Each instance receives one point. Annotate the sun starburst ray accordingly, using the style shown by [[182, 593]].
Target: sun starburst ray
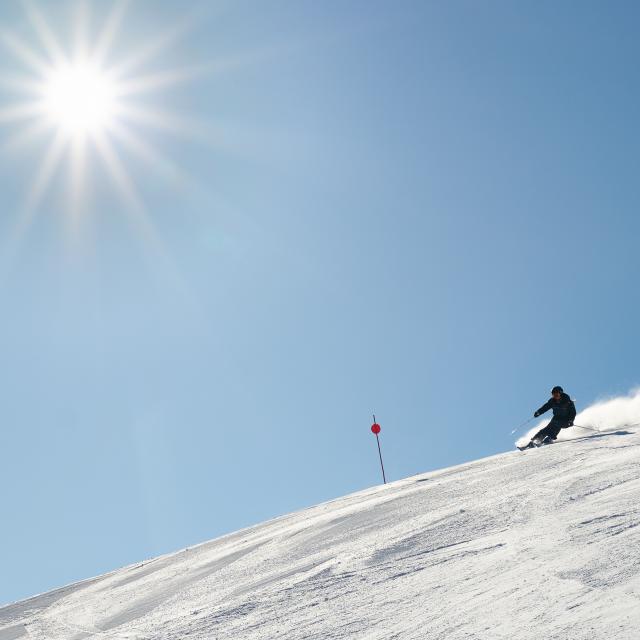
[[45, 172], [20, 111], [152, 49], [81, 22], [108, 34], [20, 84], [160, 80], [23, 52], [161, 120], [144, 226], [21, 138], [119, 176], [77, 178], [48, 166], [45, 34], [150, 155]]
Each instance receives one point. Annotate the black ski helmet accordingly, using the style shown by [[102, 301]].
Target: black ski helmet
[[558, 389]]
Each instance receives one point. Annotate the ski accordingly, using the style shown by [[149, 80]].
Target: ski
[[535, 445]]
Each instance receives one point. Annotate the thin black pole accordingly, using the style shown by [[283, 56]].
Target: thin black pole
[[384, 479], [622, 426], [522, 425], [587, 428]]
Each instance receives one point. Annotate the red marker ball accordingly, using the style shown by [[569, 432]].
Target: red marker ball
[[375, 428]]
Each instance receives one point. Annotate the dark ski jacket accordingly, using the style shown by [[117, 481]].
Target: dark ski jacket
[[563, 410]]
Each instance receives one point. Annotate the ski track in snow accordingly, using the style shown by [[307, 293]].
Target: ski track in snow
[[539, 544]]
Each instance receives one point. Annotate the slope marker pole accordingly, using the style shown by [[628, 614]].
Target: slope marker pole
[[375, 429]]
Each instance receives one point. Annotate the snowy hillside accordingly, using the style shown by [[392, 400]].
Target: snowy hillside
[[539, 544]]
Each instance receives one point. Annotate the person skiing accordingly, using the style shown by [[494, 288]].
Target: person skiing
[[564, 413]]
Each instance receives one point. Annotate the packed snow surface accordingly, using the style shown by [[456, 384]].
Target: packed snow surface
[[539, 544]]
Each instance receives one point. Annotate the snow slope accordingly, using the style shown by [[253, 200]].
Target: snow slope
[[539, 544]]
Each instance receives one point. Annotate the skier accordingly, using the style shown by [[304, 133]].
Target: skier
[[564, 413]]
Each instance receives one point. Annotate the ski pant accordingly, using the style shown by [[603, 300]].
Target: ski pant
[[552, 430]]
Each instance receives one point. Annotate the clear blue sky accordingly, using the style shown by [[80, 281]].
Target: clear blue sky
[[426, 210]]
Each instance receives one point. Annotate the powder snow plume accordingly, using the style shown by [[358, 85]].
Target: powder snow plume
[[605, 415]]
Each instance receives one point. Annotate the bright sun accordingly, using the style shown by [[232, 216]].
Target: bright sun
[[80, 98], [88, 102]]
